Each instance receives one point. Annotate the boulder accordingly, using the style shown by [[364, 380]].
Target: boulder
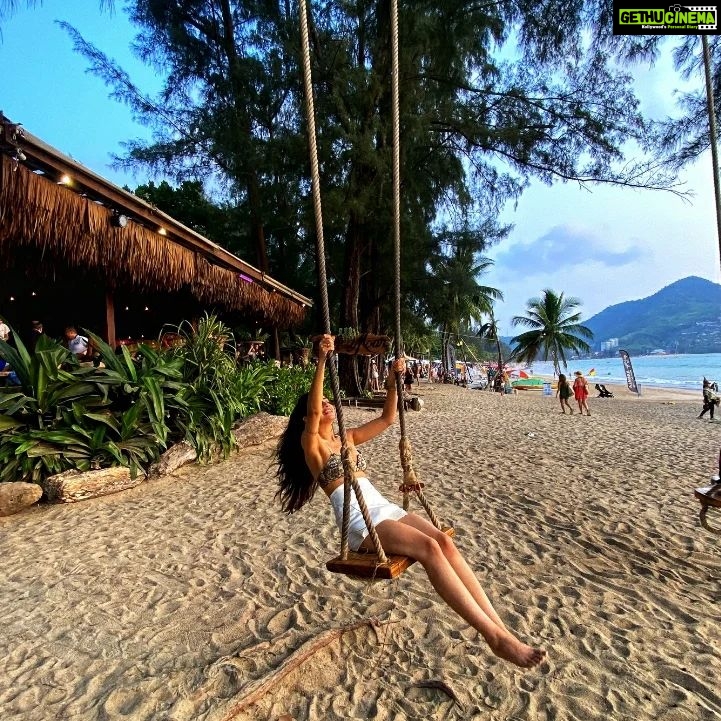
[[175, 457], [256, 430], [72, 486], [15, 496]]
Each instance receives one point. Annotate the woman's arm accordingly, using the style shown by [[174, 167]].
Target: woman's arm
[[315, 394], [378, 425]]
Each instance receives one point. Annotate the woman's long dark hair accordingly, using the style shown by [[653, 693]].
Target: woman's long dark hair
[[296, 485]]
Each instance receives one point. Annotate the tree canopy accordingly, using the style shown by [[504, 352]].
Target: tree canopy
[[555, 330], [491, 96]]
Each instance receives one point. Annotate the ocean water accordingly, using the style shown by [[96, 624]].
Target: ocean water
[[656, 371]]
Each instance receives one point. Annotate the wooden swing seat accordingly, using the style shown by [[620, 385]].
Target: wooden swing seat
[[710, 497], [364, 564]]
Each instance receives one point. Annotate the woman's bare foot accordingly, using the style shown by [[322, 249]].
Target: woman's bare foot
[[511, 649]]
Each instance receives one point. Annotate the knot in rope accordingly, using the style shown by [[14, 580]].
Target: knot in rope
[[411, 487]]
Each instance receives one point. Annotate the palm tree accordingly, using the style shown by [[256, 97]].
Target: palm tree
[[460, 299], [489, 331], [555, 329]]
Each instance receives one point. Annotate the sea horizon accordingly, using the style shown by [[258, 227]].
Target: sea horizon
[[677, 370]]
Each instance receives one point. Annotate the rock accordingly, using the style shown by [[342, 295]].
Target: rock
[[15, 496], [175, 457], [73, 486], [257, 429]]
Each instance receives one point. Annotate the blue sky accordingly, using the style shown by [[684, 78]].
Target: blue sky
[[603, 245]]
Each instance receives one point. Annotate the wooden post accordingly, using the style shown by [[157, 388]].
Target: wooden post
[[276, 343], [110, 318]]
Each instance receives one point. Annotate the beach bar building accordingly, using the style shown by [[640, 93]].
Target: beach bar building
[[76, 249]]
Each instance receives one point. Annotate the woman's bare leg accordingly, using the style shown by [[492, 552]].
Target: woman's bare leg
[[458, 563], [406, 540]]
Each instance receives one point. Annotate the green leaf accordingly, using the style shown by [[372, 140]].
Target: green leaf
[[156, 397], [7, 422], [106, 418], [129, 364]]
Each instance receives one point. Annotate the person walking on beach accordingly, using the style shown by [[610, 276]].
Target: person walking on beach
[[580, 392], [710, 399], [564, 392], [408, 380], [309, 456]]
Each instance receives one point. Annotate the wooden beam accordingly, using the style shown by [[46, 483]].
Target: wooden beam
[[110, 318]]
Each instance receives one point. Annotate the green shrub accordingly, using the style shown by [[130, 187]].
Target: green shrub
[[287, 387], [215, 391], [61, 416]]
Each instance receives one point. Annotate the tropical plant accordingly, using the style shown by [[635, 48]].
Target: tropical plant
[[215, 391], [59, 417], [555, 329], [289, 384]]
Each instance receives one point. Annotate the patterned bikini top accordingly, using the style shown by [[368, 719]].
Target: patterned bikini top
[[333, 468]]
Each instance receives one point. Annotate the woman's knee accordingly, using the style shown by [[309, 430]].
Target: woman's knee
[[429, 551], [445, 543]]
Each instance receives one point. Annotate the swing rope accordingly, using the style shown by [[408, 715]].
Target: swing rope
[[349, 478], [410, 482]]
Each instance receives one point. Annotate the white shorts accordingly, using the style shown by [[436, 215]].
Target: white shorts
[[379, 509]]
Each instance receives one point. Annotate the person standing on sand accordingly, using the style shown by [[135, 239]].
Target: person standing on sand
[[710, 399], [309, 456], [580, 392], [564, 392], [375, 382]]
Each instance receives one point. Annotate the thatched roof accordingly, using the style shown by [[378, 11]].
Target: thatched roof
[[72, 225]]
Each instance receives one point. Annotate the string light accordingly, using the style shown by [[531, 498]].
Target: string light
[[162, 231], [65, 180]]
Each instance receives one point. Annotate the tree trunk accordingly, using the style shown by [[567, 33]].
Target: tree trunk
[[347, 367]]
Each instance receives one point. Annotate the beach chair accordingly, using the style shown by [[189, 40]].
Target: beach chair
[[710, 497], [603, 392]]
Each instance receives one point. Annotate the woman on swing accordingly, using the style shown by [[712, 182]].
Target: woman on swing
[[308, 456]]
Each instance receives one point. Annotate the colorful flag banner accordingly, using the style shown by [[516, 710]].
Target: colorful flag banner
[[630, 377]]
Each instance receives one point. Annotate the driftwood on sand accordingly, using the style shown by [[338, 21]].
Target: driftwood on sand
[[71, 486], [259, 688]]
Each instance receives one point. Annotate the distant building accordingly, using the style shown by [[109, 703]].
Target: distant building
[[609, 344]]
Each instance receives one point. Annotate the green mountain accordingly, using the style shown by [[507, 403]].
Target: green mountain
[[684, 317]]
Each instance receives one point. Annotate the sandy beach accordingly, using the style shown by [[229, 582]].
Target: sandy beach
[[174, 599]]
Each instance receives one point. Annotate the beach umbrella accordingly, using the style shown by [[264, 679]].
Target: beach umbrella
[[523, 374]]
